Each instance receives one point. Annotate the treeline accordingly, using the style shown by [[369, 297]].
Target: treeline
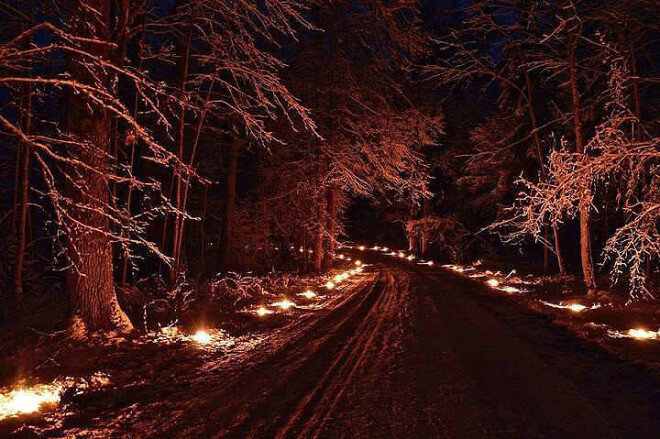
[[569, 152], [182, 138]]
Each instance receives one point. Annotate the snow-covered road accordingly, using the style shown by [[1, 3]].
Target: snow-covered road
[[412, 352]]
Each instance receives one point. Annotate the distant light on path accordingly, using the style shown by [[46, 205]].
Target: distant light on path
[[309, 294], [493, 283], [284, 304], [261, 311]]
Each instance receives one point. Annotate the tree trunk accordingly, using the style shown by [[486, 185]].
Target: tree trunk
[[584, 206], [23, 199], [424, 237], [320, 231], [331, 225], [537, 144], [178, 242], [227, 233], [182, 71], [89, 247], [136, 103]]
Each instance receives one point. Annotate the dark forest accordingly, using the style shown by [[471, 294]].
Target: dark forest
[[329, 218]]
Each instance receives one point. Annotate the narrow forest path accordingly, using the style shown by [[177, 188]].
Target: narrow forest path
[[413, 352]]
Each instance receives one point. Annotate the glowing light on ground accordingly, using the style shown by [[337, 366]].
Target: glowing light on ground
[[456, 268], [338, 278], [375, 247], [170, 331], [261, 311], [636, 333], [202, 337], [411, 258], [358, 262], [361, 248], [309, 294], [401, 255], [642, 334], [493, 283], [284, 304], [509, 289], [574, 307], [359, 269], [341, 256], [329, 285], [29, 400], [385, 249]]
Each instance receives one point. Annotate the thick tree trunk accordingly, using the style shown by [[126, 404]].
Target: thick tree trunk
[[537, 144], [89, 248], [586, 256], [227, 233]]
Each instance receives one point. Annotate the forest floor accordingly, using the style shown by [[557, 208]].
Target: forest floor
[[400, 350]]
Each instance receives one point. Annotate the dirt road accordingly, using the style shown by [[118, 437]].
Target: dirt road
[[413, 353]]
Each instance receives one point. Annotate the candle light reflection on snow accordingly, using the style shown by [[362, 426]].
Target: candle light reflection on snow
[[26, 400]]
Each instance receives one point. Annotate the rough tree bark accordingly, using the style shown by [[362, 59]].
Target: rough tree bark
[[227, 233], [586, 256], [89, 248]]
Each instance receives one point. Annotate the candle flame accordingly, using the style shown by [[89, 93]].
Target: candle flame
[[493, 283], [284, 303], [642, 334], [28, 400], [329, 285], [309, 294], [261, 311], [202, 337], [574, 307]]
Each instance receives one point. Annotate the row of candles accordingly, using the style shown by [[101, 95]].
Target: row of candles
[[496, 281]]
